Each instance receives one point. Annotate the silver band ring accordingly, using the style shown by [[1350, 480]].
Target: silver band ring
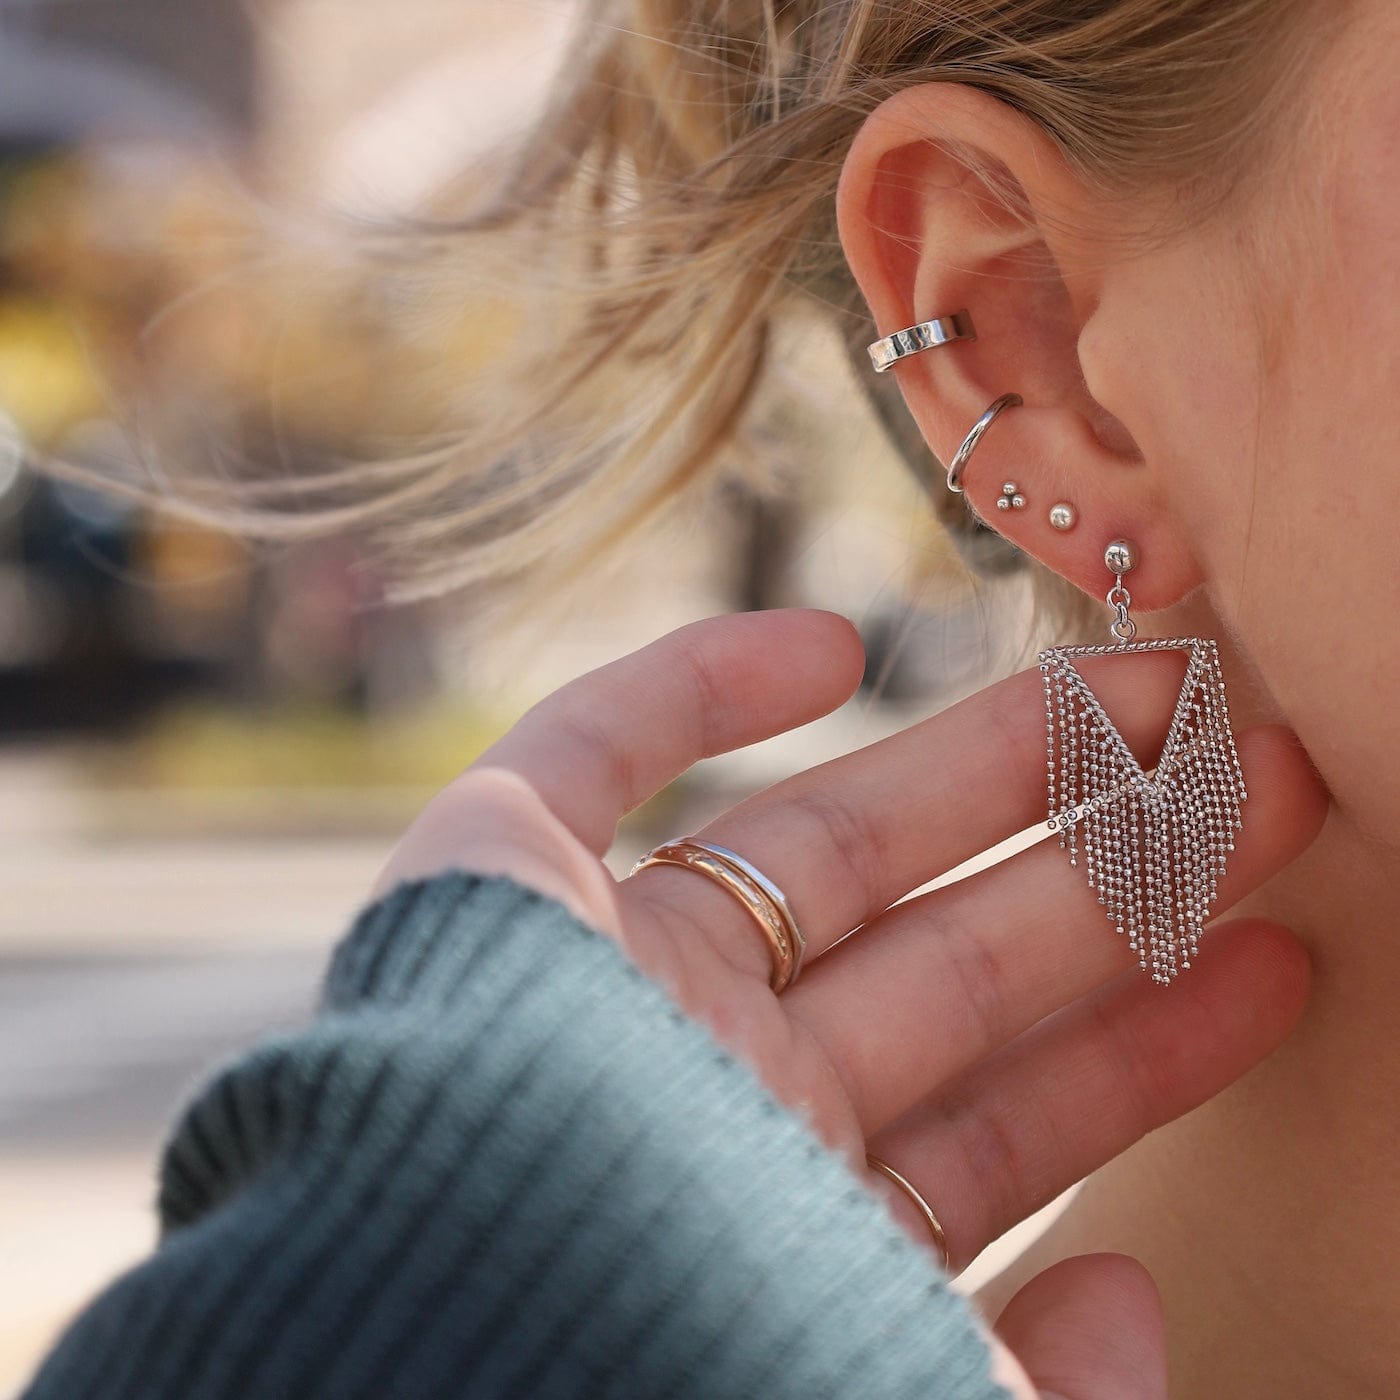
[[927, 335], [960, 459], [764, 901]]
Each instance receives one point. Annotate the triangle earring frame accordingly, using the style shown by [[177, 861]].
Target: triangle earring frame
[[1199, 651]]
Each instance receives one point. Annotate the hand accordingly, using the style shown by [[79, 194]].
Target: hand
[[994, 1040]]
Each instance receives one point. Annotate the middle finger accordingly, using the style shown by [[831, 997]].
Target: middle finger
[[847, 839]]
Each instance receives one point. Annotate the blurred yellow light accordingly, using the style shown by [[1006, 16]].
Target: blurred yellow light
[[47, 383]]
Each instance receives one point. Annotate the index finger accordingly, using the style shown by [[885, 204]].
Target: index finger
[[606, 742]]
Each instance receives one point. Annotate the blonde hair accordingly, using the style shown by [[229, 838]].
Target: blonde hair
[[677, 199]]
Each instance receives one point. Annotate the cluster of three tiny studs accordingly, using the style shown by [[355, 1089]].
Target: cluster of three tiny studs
[[1062, 515]]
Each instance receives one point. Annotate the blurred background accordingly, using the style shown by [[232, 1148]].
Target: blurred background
[[207, 748]]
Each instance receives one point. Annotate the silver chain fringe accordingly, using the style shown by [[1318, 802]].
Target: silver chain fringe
[[1153, 847]]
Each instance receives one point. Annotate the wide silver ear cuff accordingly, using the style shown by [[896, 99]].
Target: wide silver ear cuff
[[927, 335]]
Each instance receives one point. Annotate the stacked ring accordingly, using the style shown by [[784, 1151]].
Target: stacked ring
[[763, 900]]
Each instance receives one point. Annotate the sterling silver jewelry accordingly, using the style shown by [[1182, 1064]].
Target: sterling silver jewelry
[[927, 335], [969, 444], [1011, 497], [1153, 847], [1063, 515]]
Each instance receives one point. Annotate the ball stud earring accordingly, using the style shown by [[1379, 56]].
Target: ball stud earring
[[1063, 515], [1011, 497]]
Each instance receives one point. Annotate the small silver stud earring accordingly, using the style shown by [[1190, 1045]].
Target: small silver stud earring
[[1063, 515], [1011, 497]]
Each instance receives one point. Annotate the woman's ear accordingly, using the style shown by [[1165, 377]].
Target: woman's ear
[[951, 199]]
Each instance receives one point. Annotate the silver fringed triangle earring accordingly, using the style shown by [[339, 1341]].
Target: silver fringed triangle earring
[[1153, 847]]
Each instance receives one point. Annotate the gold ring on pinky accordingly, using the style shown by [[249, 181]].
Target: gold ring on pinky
[[940, 1240], [764, 901]]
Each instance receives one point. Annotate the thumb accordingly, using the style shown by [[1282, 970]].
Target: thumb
[[1090, 1328]]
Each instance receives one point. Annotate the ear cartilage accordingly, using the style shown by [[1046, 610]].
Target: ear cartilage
[[1011, 497], [1063, 516]]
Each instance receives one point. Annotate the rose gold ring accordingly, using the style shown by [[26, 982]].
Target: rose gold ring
[[764, 901], [940, 1240]]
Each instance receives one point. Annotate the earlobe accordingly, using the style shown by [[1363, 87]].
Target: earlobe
[[949, 198]]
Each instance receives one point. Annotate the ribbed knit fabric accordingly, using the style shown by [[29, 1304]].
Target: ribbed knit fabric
[[503, 1163]]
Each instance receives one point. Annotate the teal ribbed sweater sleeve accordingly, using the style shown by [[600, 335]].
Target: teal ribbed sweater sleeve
[[502, 1163]]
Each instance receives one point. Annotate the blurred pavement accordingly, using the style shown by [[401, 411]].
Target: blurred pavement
[[127, 969]]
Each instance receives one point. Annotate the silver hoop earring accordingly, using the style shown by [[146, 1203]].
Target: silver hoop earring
[[927, 335], [1154, 847], [958, 465]]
